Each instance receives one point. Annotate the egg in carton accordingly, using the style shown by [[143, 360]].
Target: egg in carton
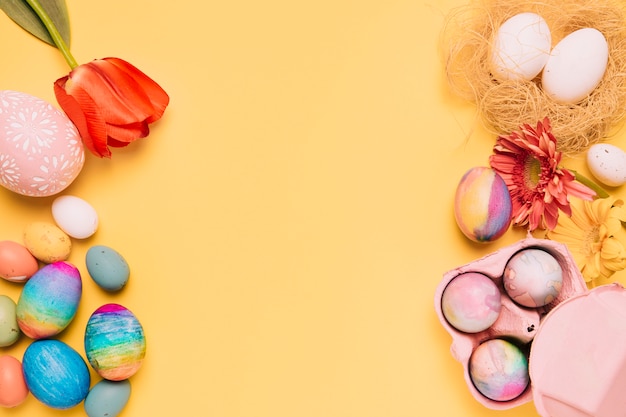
[[572, 349]]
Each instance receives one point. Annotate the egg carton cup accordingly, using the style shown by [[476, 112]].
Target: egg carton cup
[[515, 323]]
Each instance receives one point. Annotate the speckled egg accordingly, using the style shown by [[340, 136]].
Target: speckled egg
[[607, 163], [107, 267], [17, 264], [482, 205], [13, 389], [47, 242], [471, 302], [499, 370], [55, 373], [533, 278], [115, 343], [41, 152], [9, 329], [107, 398], [49, 300]]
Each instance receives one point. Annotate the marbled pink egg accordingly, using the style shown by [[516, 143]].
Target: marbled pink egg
[[41, 152]]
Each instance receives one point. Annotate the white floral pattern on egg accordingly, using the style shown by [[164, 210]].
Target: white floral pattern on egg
[[41, 152]]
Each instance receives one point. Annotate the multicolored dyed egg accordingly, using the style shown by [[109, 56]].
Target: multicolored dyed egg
[[482, 205], [115, 343], [533, 278], [55, 373], [41, 152], [49, 300], [471, 302], [499, 370]]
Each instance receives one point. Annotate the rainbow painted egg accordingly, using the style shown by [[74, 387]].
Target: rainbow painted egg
[[55, 373], [49, 300], [115, 343], [482, 205]]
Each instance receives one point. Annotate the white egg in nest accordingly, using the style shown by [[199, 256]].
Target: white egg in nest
[[41, 152]]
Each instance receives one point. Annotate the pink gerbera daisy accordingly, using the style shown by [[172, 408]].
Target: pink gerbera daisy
[[528, 161]]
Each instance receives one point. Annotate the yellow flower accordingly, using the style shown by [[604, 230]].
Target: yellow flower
[[591, 235]]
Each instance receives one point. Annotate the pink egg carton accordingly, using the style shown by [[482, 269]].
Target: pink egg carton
[[577, 343]]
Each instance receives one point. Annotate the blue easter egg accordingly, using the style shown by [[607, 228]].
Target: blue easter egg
[[107, 398], [55, 373]]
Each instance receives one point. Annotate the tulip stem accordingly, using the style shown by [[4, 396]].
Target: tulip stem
[[54, 32]]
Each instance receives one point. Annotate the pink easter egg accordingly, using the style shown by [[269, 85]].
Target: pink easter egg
[[41, 152]]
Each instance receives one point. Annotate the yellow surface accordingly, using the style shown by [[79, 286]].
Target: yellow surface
[[288, 220]]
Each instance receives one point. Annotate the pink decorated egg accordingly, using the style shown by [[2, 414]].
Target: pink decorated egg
[[41, 152], [482, 205]]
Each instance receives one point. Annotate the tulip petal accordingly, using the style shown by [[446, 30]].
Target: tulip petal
[[121, 98], [158, 97], [127, 133], [83, 112]]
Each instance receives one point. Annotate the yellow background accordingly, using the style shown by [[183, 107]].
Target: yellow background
[[289, 218]]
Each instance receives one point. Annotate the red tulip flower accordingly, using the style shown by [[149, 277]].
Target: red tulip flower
[[111, 102]]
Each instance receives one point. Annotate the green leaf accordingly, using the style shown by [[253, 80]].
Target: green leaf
[[21, 13]]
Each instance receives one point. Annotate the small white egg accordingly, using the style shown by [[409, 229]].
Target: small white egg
[[607, 163], [522, 47], [75, 216], [576, 66]]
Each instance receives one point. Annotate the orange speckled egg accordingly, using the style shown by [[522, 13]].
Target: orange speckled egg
[[13, 389], [17, 264]]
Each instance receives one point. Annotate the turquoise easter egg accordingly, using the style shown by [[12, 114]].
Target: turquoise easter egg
[[107, 398], [115, 343], [107, 267], [55, 373], [49, 300], [482, 205]]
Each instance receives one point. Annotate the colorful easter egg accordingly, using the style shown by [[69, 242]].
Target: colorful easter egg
[[13, 389], [533, 278], [47, 242], [482, 205], [17, 264], [499, 370], [471, 302], [107, 398], [41, 152], [115, 343], [107, 267], [49, 300], [55, 373]]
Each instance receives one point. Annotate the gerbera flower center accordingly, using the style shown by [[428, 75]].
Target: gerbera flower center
[[532, 171], [591, 240]]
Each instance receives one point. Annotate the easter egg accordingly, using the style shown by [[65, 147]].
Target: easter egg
[[107, 267], [47, 242], [41, 152], [521, 48], [115, 343], [9, 329], [471, 302], [482, 205], [576, 66], [107, 398], [17, 264], [607, 164], [533, 278], [75, 216], [499, 370], [55, 373], [49, 300], [13, 389]]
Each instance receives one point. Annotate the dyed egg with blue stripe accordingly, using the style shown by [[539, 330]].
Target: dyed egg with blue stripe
[[55, 373], [482, 205], [49, 300], [115, 343]]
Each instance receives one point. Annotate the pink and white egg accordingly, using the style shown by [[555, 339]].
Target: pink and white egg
[[482, 205], [41, 152]]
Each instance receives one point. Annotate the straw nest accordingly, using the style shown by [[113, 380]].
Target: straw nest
[[467, 39]]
